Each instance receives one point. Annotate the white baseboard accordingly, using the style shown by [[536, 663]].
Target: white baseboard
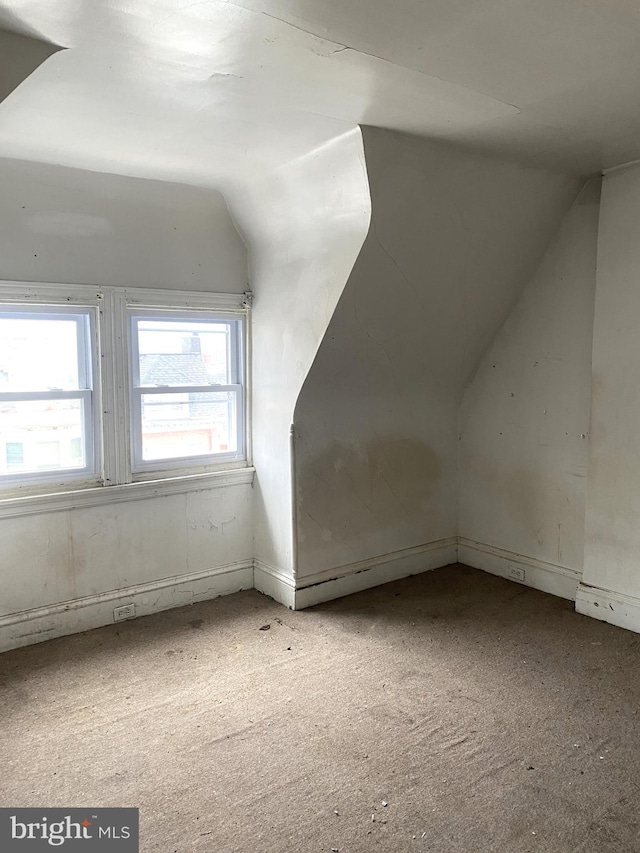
[[274, 583], [547, 577], [607, 606], [70, 617], [355, 577], [82, 614]]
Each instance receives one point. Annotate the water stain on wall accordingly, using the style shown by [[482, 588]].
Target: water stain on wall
[[532, 501], [350, 490]]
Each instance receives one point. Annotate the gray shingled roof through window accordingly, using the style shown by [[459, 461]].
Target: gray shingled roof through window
[[174, 369]]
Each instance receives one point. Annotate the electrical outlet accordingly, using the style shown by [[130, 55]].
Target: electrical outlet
[[127, 611], [516, 573]]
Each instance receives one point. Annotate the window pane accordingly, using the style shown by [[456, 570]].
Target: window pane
[[47, 455], [14, 451], [185, 352], [41, 435], [38, 354], [182, 425]]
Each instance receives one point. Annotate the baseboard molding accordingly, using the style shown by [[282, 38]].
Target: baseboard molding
[[355, 577], [607, 606], [538, 574], [274, 583], [83, 614], [94, 611]]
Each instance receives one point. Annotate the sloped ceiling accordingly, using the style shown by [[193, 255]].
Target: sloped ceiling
[[209, 90]]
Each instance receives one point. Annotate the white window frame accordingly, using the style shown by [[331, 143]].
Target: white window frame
[[111, 309], [137, 391], [49, 307]]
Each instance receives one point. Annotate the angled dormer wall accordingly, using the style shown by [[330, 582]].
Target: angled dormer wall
[[304, 225], [454, 238]]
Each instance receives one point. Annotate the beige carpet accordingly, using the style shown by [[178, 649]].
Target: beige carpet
[[488, 717]]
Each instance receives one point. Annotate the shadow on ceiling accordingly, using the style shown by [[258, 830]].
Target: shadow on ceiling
[[21, 52]]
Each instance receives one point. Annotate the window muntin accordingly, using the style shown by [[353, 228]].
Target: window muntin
[[46, 394], [187, 394], [93, 392]]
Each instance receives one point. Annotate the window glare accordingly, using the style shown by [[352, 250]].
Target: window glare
[[38, 354], [74, 407], [41, 435], [197, 418]]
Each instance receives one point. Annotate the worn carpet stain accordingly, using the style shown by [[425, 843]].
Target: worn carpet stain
[[451, 711]]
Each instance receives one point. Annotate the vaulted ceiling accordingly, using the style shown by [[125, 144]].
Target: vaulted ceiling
[[212, 90]]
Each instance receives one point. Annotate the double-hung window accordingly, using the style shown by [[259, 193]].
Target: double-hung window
[[118, 386], [47, 417], [186, 389]]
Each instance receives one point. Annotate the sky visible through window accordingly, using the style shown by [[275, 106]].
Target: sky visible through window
[[180, 354], [40, 355]]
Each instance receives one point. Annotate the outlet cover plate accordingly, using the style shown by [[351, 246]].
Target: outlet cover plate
[[126, 611], [516, 573]]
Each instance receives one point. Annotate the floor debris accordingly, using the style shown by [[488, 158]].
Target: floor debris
[[336, 715]]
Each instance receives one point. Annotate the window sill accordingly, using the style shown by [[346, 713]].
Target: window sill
[[15, 507]]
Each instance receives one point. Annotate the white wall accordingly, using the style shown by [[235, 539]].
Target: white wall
[[79, 227], [66, 569], [611, 588], [524, 418], [304, 224], [453, 239], [433, 259]]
